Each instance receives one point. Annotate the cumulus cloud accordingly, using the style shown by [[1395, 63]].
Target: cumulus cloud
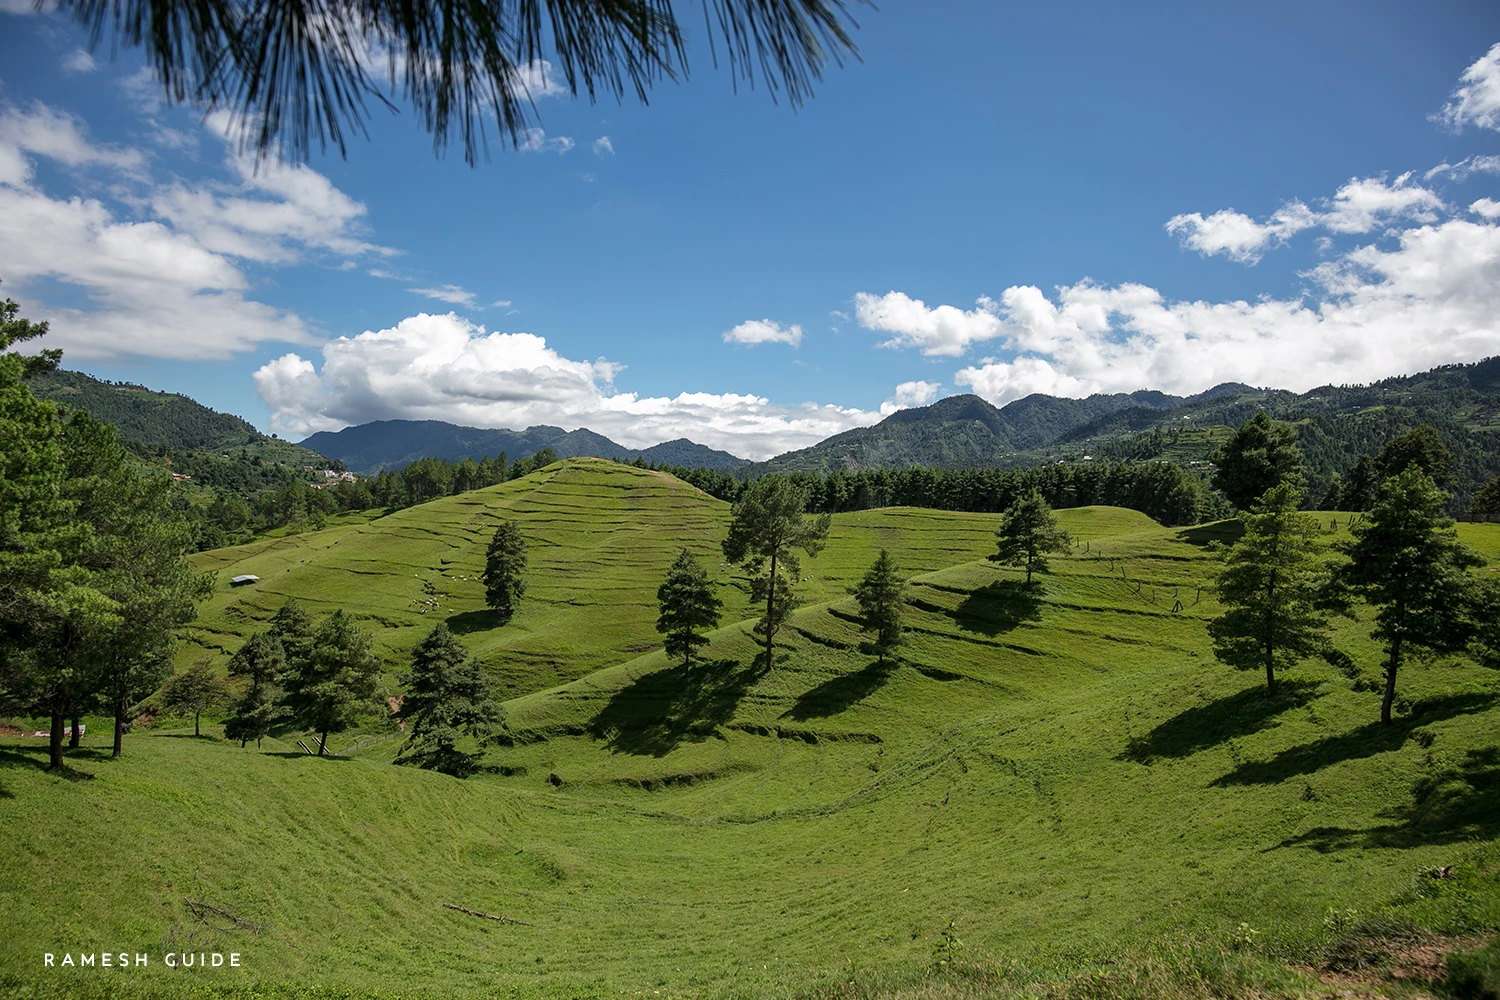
[[1476, 99], [1358, 207], [764, 331], [443, 367], [158, 270], [1432, 299], [944, 330], [1238, 236], [909, 394], [603, 147], [452, 294], [1487, 207]]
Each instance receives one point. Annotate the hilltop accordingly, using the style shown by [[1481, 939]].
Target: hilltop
[[1055, 793]]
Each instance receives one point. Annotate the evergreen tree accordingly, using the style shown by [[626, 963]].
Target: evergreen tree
[[881, 599], [337, 681], [1261, 454], [504, 562], [766, 524], [1487, 500], [688, 607], [262, 660], [1421, 446], [197, 688], [1270, 587], [1027, 533], [448, 697], [1407, 561], [292, 627], [1360, 485]]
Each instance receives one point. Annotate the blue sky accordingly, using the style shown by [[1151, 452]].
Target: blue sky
[[1002, 198]]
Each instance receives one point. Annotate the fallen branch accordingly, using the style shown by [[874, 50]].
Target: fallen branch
[[488, 916], [197, 904]]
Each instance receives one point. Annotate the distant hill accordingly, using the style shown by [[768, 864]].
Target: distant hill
[[392, 444], [167, 421]]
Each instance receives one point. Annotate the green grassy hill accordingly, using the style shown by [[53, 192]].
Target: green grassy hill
[[1097, 807]]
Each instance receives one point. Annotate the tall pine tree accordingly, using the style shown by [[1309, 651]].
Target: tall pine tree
[[881, 599], [688, 608], [1027, 533], [262, 660], [1261, 454], [448, 698], [504, 562], [337, 681]]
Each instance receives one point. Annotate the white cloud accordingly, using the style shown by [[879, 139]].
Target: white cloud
[[535, 140], [79, 61], [1476, 99], [158, 271], [764, 331], [452, 294], [603, 147], [910, 394], [1359, 206], [1238, 236], [1465, 168], [447, 368], [1487, 207], [538, 79], [501, 304], [944, 330], [1432, 299]]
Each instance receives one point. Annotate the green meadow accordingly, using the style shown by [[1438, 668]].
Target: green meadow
[[1055, 792]]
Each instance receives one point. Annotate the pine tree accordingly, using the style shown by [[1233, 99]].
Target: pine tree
[[448, 698], [1028, 532], [688, 608], [1487, 500], [1270, 586], [292, 626], [766, 524], [1261, 454], [504, 562], [1423, 447], [336, 682], [881, 598], [1407, 561], [196, 689], [262, 660]]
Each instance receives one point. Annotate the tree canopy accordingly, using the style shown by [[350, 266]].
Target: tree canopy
[[1261, 454], [1270, 587], [767, 523], [881, 598], [1407, 561], [688, 607], [300, 72], [1028, 532], [448, 698], [504, 562]]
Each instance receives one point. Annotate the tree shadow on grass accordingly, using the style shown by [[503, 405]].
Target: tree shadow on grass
[[999, 607], [659, 711], [1455, 804], [467, 622], [1366, 741], [1224, 532], [839, 693], [38, 757], [1203, 726]]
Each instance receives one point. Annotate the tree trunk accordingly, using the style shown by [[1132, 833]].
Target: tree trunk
[[1270, 670], [120, 720], [770, 606], [55, 747], [196, 716], [76, 735], [323, 743], [1390, 681]]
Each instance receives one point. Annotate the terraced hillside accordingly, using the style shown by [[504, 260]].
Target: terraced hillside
[[1054, 793]]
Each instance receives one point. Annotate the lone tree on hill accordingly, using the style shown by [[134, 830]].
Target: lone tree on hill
[[767, 523], [1270, 586], [448, 697], [1261, 454], [197, 688], [262, 660], [504, 562], [688, 608], [1407, 561], [336, 682], [1028, 532], [881, 598]]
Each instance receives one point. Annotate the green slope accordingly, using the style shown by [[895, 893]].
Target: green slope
[[1070, 779]]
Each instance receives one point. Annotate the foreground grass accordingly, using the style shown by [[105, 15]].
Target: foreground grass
[[1053, 794]]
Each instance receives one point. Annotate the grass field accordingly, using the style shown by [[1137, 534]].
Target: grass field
[[1053, 793]]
